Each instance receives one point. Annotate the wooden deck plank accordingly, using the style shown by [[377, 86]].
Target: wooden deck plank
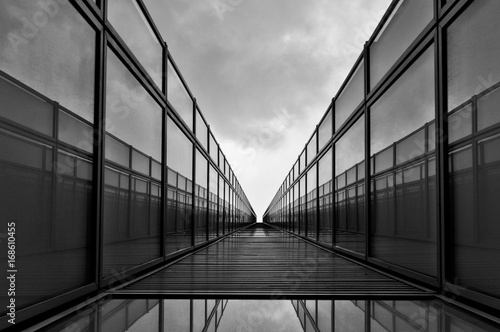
[[262, 261]]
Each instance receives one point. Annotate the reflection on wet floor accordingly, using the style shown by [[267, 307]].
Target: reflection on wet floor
[[271, 315]]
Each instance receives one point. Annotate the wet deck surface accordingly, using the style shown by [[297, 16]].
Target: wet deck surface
[[263, 262]]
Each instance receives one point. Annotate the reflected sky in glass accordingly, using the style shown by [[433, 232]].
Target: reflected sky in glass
[[51, 49], [127, 18], [271, 315], [406, 105]]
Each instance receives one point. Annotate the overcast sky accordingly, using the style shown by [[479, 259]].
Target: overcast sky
[[264, 73]]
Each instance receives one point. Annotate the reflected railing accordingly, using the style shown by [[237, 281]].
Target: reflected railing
[[271, 315], [402, 174], [180, 214], [474, 182]]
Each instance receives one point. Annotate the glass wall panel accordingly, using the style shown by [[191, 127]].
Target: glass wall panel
[[25, 108], [488, 114], [474, 162], [131, 217], [296, 207], [140, 162], [214, 150], [411, 147], [213, 203], [351, 96], [409, 103], [325, 130], [221, 221], [311, 149], [201, 130], [117, 152], [201, 199], [348, 315], [287, 210], [404, 24], [130, 22], [295, 171], [303, 207], [221, 161], [349, 195], [473, 49], [460, 123], [46, 191], [178, 96], [41, 190], [302, 162], [312, 194], [325, 173], [132, 115], [51, 49], [383, 160], [179, 189], [403, 230], [227, 212], [75, 132], [177, 315], [48, 72], [231, 209], [325, 315]]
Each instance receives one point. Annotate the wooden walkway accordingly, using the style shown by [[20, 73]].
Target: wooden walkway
[[262, 262]]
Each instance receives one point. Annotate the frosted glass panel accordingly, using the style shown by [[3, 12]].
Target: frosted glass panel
[[132, 114], [488, 113], [325, 130], [201, 130], [129, 21], [75, 132], [179, 150], [178, 96], [351, 96], [407, 105], [350, 149], [405, 23], [460, 124], [311, 149], [20, 106], [473, 52], [54, 52]]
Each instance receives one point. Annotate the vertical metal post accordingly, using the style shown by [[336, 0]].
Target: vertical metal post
[[164, 170], [333, 189], [317, 184], [444, 226], [368, 203], [193, 182], [99, 149]]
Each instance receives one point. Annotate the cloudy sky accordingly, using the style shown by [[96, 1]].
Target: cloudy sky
[[264, 73]]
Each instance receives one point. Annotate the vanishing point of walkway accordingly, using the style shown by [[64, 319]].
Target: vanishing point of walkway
[[263, 262]]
